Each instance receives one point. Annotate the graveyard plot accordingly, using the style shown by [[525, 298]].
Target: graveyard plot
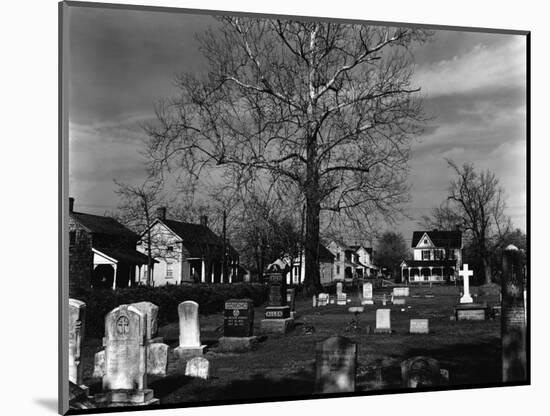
[[284, 365]]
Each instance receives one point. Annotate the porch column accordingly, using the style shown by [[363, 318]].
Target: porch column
[[114, 278], [442, 278], [431, 273], [203, 271]]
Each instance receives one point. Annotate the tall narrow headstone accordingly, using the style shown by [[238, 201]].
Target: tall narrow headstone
[[125, 379], [77, 320], [339, 288], [367, 294], [513, 337], [190, 331], [291, 301], [336, 364]]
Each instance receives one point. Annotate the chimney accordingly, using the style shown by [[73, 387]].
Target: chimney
[[204, 220], [161, 213], [71, 204]]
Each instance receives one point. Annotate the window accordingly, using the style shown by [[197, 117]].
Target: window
[[337, 269], [72, 237], [425, 254], [169, 270], [170, 248], [337, 256], [439, 254]]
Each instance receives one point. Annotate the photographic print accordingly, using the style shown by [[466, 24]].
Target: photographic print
[[260, 208]]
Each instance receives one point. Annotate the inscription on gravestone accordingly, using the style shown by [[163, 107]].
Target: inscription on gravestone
[[238, 320], [336, 364], [198, 367]]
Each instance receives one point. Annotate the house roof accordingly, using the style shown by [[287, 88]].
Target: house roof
[[197, 237], [103, 225], [448, 239], [325, 254], [124, 255], [367, 249]]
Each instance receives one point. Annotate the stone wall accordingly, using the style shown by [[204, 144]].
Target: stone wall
[[81, 258]]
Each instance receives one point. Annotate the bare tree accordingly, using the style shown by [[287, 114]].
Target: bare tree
[[443, 218], [479, 202], [325, 108], [137, 208]]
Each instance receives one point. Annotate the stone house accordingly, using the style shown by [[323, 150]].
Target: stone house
[[102, 252], [186, 252], [437, 257]]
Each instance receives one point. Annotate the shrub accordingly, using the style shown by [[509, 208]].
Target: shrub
[[210, 297]]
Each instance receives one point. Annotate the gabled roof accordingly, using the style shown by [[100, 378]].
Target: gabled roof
[[446, 239], [341, 244], [102, 225], [325, 254], [197, 238], [123, 255], [367, 249]]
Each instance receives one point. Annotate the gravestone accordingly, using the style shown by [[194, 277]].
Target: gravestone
[[150, 310], [384, 300], [383, 321], [420, 372], [339, 288], [157, 359], [513, 328], [472, 312], [400, 292], [198, 367], [291, 301], [419, 326], [78, 397], [336, 365], [367, 294], [99, 364], [323, 299], [77, 320], [238, 326], [190, 332], [399, 301], [277, 317], [342, 299], [314, 301], [125, 379]]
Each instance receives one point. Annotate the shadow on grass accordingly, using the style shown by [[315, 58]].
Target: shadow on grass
[[301, 383], [467, 363]]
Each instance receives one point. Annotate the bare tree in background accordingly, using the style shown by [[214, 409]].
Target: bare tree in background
[[478, 200], [137, 208], [325, 108], [443, 218]]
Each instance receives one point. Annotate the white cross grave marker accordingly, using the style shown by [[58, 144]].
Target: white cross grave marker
[[465, 273]]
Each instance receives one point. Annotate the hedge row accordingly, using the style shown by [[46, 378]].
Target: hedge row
[[211, 299]]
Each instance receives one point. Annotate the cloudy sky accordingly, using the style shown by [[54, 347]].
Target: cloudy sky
[[122, 62]]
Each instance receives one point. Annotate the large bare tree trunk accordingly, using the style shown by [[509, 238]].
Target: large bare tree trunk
[[312, 281]]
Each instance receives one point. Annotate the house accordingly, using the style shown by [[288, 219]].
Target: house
[[102, 252], [326, 268], [186, 252], [345, 261], [365, 263], [437, 257]]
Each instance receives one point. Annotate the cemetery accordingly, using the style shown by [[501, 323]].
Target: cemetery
[[365, 344]]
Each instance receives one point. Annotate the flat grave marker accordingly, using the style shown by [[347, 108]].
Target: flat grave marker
[[336, 365]]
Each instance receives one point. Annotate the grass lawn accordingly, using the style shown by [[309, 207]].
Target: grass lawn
[[284, 366]]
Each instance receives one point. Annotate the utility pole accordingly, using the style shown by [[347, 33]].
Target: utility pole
[[224, 261]]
